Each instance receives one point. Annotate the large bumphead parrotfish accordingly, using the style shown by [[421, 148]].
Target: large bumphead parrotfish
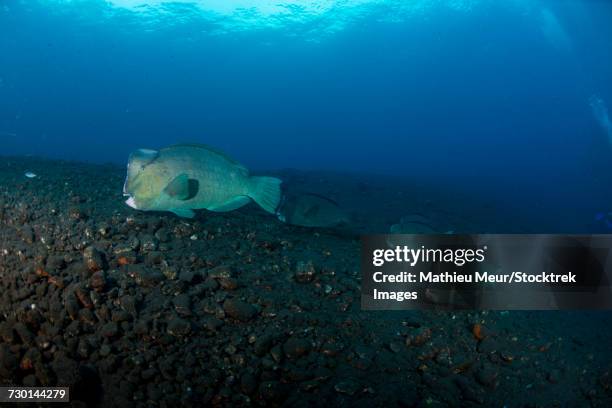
[[188, 177]]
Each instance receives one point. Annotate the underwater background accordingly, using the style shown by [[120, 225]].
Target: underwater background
[[488, 96], [413, 116]]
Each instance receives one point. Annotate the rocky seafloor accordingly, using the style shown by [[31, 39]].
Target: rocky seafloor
[[134, 309]]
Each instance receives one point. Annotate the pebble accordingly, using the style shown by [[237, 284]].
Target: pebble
[[169, 272], [110, 329], [148, 243], [72, 307], [83, 296], [182, 304], [98, 281], [296, 347], [163, 235], [419, 337], [348, 387], [145, 277], [239, 309], [212, 323], [224, 276], [186, 276], [93, 258], [179, 327], [129, 304], [304, 272]]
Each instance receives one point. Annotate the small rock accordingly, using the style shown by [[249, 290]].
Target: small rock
[[145, 277], [262, 344], [228, 283], [224, 275], [120, 316], [105, 350], [94, 259], [296, 347], [212, 323], [129, 304], [169, 272], [148, 243], [110, 329], [186, 276], [304, 272], [72, 307], [507, 356], [77, 213], [348, 387], [395, 347], [179, 327], [182, 304], [239, 310], [419, 337], [82, 295], [98, 281], [163, 235]]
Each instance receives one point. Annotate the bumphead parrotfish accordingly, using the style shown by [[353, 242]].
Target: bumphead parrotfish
[[311, 210], [183, 178]]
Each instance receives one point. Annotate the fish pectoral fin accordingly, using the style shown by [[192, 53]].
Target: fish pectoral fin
[[232, 204], [182, 188], [183, 213]]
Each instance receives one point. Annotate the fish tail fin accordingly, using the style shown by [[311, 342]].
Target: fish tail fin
[[266, 192]]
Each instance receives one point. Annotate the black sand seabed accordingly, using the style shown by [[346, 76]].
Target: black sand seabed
[[146, 309]]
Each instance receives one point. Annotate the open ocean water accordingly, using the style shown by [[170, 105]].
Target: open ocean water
[[378, 116]]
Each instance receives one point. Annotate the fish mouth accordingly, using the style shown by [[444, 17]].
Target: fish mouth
[[131, 202], [125, 184]]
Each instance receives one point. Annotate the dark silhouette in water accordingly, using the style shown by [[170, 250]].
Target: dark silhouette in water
[[311, 210]]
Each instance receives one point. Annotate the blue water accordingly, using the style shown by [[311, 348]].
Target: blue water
[[482, 95]]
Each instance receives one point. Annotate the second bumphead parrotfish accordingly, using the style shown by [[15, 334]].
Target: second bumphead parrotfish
[[188, 177], [311, 210]]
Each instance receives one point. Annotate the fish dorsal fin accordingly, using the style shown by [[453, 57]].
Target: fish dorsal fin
[[212, 150], [182, 188]]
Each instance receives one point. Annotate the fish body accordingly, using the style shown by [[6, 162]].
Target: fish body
[[311, 210], [184, 178], [30, 174]]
